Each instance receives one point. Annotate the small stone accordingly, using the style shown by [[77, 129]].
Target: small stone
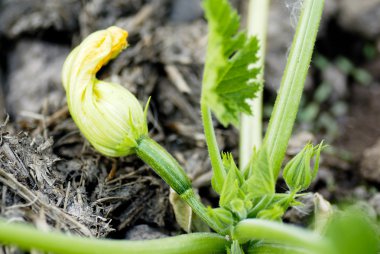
[[186, 10], [337, 79], [370, 164], [143, 232], [360, 16], [34, 76], [375, 203], [37, 15]]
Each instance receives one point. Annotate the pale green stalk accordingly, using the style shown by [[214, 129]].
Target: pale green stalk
[[27, 237], [212, 145], [251, 126], [275, 232], [287, 102], [169, 169]]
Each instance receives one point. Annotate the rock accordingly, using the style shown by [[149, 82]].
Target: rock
[[370, 164], [37, 15], [35, 75], [338, 81], [99, 14], [298, 141], [187, 47], [360, 16], [375, 203], [143, 232], [185, 11]]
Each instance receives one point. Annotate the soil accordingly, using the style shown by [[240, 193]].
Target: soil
[[51, 177]]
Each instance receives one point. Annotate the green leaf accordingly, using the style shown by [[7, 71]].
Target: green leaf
[[354, 231], [231, 187], [273, 213], [259, 174], [268, 206], [229, 78], [260, 204]]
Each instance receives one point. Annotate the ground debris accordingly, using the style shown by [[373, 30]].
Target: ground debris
[[74, 194], [31, 184]]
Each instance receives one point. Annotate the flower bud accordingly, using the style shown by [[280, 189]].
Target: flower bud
[[298, 173], [108, 115]]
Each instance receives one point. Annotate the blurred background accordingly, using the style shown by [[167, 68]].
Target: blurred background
[[167, 41]]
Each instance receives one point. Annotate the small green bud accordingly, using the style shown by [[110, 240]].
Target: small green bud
[[238, 206], [298, 173], [108, 115], [222, 217]]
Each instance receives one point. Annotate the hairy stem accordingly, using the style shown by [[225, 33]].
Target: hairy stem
[[173, 174], [287, 102], [275, 232], [27, 237], [213, 149], [251, 126]]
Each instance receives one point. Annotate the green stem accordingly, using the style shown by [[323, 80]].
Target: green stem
[[213, 149], [173, 174], [275, 232], [287, 102], [27, 237], [251, 126]]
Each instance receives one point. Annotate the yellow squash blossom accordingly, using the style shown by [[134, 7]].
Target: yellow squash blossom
[[107, 114]]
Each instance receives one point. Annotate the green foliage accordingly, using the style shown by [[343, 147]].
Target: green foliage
[[222, 217], [229, 78], [250, 209], [352, 231], [259, 174]]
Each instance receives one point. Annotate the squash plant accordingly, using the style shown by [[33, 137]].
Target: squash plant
[[248, 219]]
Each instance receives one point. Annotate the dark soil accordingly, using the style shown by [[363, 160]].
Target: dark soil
[[51, 177]]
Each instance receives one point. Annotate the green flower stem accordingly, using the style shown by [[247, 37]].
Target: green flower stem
[[251, 126], [27, 237], [287, 102], [173, 174], [275, 232], [213, 149]]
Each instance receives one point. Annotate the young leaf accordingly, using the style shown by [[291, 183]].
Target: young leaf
[[273, 213], [260, 180], [228, 77], [231, 187], [228, 164]]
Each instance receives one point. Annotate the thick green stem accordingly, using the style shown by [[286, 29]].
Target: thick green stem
[[287, 102], [213, 149], [251, 126], [27, 237], [275, 232], [173, 174]]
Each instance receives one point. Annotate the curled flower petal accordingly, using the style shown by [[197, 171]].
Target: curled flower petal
[[108, 115]]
